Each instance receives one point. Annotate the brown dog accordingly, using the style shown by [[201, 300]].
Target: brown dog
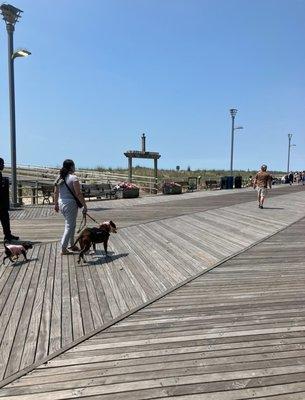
[[91, 236]]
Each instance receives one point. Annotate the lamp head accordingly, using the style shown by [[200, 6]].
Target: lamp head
[[10, 14], [233, 112], [21, 53]]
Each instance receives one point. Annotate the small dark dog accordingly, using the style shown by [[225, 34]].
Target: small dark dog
[[91, 236], [13, 251]]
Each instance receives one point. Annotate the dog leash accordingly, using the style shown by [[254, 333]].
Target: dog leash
[[94, 220], [83, 222]]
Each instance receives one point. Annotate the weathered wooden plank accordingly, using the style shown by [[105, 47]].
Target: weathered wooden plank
[[82, 321], [11, 320], [66, 308], [28, 355], [152, 284], [42, 348], [165, 367], [179, 385], [92, 303], [21, 331], [109, 295], [55, 321], [101, 295], [142, 254]]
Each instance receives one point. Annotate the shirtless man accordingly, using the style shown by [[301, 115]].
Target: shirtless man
[[262, 181]]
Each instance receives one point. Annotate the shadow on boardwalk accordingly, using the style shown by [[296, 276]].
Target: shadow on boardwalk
[[105, 259]]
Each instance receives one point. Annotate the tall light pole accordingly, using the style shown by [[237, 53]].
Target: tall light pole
[[11, 15], [289, 147], [233, 113]]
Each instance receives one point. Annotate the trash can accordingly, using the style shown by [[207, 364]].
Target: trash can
[[229, 182], [226, 182], [238, 182], [223, 182]]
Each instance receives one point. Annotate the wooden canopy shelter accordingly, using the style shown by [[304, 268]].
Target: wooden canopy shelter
[[130, 154]]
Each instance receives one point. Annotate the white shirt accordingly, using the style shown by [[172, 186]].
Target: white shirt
[[64, 193]]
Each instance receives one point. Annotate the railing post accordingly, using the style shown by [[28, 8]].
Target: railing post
[[36, 192], [33, 194], [20, 193]]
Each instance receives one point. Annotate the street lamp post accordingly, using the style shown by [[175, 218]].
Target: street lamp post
[[233, 113], [289, 148], [11, 15]]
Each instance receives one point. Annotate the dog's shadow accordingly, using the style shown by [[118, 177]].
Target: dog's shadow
[[103, 259], [17, 263]]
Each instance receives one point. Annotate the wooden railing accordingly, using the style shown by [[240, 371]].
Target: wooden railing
[[48, 175]]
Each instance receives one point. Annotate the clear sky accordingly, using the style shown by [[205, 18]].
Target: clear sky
[[102, 72]]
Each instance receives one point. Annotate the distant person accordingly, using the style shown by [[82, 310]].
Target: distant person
[[290, 178], [262, 181], [68, 198], [5, 206], [250, 181], [286, 178], [297, 177]]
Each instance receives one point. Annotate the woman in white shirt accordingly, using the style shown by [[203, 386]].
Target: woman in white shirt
[[66, 194]]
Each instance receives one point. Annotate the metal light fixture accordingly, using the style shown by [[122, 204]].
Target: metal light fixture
[[289, 148], [11, 15], [21, 53], [233, 112]]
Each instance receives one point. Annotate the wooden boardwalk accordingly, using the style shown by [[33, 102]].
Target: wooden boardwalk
[[45, 211], [42, 211], [51, 302], [42, 224], [236, 332]]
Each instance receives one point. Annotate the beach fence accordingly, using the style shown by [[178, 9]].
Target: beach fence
[[36, 183]]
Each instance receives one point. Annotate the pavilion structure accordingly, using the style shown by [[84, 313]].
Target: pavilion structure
[[130, 154]]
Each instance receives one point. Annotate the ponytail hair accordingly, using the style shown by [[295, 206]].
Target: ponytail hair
[[67, 167]]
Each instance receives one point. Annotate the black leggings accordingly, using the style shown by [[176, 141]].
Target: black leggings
[[5, 222]]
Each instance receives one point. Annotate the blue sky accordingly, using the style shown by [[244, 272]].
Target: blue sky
[[102, 72]]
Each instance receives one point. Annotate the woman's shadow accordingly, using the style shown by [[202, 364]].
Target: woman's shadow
[[273, 208], [17, 263]]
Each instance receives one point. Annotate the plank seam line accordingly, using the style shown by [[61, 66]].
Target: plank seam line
[[127, 314]]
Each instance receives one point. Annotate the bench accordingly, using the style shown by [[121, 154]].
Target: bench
[[192, 183], [211, 184], [47, 193], [184, 184], [98, 190]]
